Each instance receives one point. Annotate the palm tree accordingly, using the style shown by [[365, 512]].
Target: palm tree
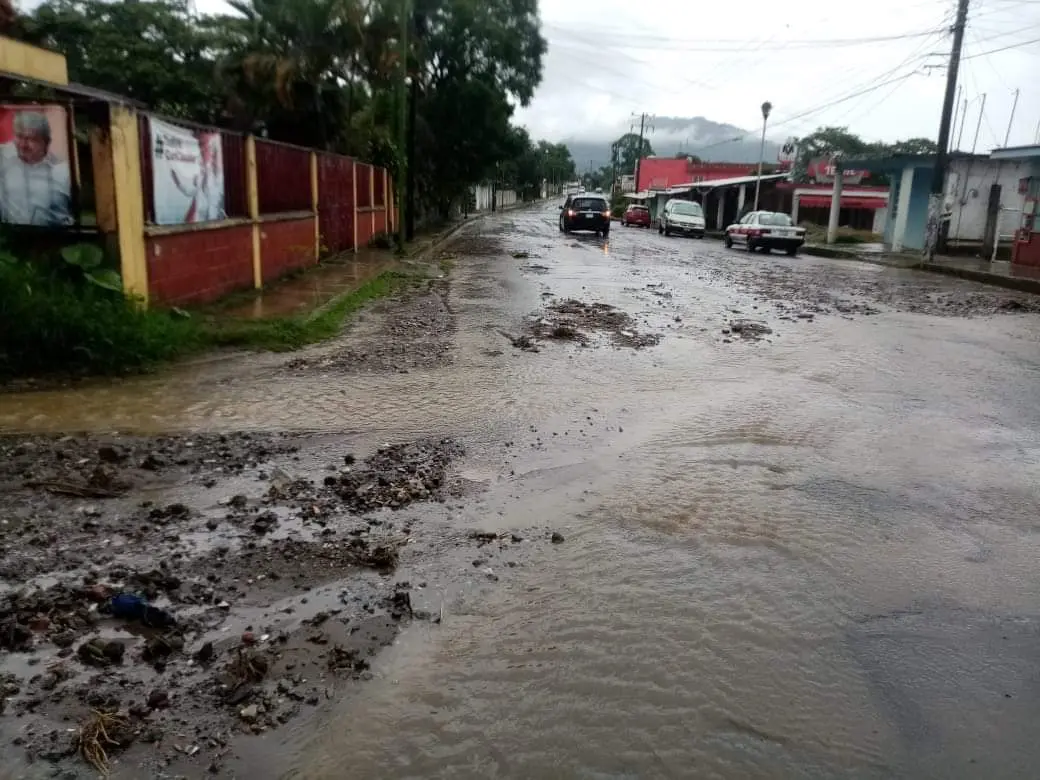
[[295, 55]]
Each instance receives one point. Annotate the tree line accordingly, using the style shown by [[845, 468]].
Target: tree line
[[323, 73]]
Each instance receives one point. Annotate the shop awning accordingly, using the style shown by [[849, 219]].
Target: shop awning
[[824, 202]]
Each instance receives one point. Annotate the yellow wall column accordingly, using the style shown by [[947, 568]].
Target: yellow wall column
[[253, 203], [314, 205], [128, 198], [353, 169]]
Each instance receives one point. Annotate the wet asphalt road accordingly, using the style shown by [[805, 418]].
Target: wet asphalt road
[[810, 555]]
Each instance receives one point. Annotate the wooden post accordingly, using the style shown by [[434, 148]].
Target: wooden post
[[104, 180], [125, 153], [314, 205], [388, 202], [253, 203]]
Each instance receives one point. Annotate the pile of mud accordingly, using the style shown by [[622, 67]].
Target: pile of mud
[[573, 320]]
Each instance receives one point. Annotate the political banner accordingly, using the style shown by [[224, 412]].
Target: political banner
[[187, 174], [35, 175]]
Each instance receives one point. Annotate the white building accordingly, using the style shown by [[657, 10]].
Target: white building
[[984, 195]]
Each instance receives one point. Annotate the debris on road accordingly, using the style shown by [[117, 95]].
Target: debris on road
[[571, 320]]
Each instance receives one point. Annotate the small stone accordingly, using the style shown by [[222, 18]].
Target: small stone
[[249, 714], [205, 653], [110, 454], [557, 538], [158, 699], [248, 638]]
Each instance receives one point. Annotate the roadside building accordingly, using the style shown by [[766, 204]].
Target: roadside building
[[984, 198]]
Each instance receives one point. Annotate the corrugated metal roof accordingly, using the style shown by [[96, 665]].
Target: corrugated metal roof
[[712, 184]]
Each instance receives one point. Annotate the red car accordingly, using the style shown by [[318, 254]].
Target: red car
[[636, 215]]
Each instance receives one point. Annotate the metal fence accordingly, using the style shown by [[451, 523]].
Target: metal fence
[[283, 178], [283, 182]]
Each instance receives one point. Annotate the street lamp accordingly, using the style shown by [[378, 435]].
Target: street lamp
[[766, 108]]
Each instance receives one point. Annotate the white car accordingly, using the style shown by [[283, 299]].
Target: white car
[[681, 216], [766, 230]]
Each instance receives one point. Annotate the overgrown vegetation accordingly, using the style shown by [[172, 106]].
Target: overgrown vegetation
[[818, 234], [282, 334], [67, 316], [53, 322]]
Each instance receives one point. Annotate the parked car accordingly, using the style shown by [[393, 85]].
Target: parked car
[[585, 212], [636, 215], [766, 230], [681, 216]]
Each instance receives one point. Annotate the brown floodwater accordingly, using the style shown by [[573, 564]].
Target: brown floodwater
[[810, 557]]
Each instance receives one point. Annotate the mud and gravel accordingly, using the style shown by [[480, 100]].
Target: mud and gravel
[[268, 585], [406, 333], [579, 322], [817, 289]]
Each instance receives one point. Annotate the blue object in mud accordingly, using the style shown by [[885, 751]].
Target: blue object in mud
[[128, 606]]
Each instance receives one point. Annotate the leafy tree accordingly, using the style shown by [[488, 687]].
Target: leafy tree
[[472, 57], [150, 51], [628, 150], [915, 146], [826, 141]]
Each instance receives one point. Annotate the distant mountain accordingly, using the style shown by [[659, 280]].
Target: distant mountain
[[711, 141]]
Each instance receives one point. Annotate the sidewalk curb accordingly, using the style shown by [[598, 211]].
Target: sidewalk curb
[[1018, 284], [1015, 283]]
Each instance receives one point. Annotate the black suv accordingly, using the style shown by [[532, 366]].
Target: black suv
[[585, 212]]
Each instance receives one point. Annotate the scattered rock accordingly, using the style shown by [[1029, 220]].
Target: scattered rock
[[557, 538]]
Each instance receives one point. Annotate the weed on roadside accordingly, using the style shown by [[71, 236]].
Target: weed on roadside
[[283, 334]]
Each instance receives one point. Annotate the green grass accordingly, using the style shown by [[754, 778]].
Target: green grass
[[53, 325], [283, 334], [818, 234]]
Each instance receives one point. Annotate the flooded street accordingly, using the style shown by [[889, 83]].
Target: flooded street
[[797, 535]]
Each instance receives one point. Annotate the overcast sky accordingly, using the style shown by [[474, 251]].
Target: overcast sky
[[610, 59]]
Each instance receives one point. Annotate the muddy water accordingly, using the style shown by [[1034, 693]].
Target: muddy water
[[806, 557]]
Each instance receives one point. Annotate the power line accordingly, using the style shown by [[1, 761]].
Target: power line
[[629, 41], [1002, 48]]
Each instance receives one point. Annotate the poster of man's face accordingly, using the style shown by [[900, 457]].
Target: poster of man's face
[[35, 175]]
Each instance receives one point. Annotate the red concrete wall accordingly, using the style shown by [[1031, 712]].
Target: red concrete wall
[[364, 228], [1027, 254], [198, 266], [664, 172], [286, 246]]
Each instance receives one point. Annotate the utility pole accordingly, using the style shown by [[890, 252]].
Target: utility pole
[[1011, 119], [402, 127], [639, 151], [835, 212], [943, 142]]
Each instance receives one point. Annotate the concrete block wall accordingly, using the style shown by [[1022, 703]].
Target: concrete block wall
[[200, 265]]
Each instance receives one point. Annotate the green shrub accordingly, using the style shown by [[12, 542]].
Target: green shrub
[[53, 324]]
